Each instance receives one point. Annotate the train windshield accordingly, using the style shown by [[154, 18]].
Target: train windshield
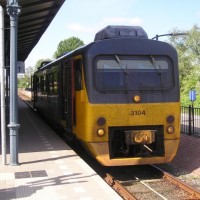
[[133, 73]]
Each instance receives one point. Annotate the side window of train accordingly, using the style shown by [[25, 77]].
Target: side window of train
[[42, 84], [51, 84], [55, 83], [78, 74], [47, 84]]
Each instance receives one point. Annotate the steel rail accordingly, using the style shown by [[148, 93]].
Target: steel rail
[[193, 192], [119, 188]]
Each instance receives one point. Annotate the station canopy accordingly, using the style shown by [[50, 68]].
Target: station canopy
[[35, 17]]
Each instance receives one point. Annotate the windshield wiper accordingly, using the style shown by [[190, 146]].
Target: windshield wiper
[[119, 63], [124, 71], [156, 66]]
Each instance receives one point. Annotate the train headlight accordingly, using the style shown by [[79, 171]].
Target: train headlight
[[170, 129], [100, 132], [137, 98]]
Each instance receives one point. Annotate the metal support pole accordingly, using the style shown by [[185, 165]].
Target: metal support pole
[[2, 64], [13, 10], [192, 118], [190, 122]]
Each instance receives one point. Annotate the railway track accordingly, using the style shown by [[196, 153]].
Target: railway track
[[141, 182], [152, 183]]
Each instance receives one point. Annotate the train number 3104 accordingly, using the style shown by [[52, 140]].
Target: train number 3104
[[138, 112]]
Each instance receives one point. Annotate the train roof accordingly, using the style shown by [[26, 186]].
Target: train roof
[[110, 32]]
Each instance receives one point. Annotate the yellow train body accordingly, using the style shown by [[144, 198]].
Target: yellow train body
[[124, 115], [119, 96]]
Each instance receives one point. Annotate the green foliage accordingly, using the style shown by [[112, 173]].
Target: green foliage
[[185, 101], [188, 48], [67, 45], [39, 62], [25, 81]]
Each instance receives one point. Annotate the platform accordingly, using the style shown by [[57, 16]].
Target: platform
[[187, 158], [49, 169]]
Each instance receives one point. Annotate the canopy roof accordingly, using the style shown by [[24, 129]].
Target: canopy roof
[[35, 17]]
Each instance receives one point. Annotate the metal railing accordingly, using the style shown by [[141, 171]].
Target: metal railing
[[190, 120]]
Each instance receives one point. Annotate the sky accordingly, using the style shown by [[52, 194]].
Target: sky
[[83, 18]]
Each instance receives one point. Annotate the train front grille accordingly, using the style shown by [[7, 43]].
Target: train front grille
[[137, 141]]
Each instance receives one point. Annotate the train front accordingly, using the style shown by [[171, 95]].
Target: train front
[[132, 111]]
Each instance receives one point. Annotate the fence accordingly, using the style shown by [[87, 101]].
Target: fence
[[190, 120]]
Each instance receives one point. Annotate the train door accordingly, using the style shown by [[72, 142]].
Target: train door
[[70, 84], [67, 91]]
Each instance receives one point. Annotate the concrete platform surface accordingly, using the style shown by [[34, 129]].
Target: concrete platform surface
[[49, 169]]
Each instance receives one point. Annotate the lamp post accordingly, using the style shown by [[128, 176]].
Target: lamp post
[[13, 10], [169, 34]]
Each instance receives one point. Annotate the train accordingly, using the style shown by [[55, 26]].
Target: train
[[118, 95]]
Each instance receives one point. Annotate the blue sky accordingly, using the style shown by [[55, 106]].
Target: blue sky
[[83, 18]]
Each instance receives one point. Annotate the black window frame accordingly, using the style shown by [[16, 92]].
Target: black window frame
[[131, 57]]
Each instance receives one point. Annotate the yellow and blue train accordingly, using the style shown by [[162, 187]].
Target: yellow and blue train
[[119, 96]]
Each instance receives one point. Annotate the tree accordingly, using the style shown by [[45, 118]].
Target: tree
[[25, 81], [40, 61], [188, 48], [67, 45]]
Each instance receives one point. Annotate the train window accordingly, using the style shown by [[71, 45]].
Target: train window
[[42, 83], [47, 84], [78, 74], [51, 84], [55, 83], [133, 73], [37, 83]]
